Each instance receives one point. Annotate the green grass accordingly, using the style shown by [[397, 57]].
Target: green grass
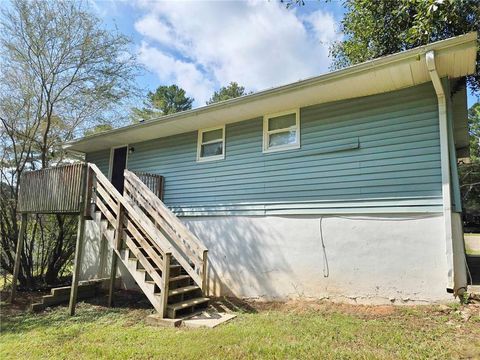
[[279, 331], [472, 244]]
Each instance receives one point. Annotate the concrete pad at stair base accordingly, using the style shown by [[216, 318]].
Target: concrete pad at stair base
[[208, 319], [157, 320]]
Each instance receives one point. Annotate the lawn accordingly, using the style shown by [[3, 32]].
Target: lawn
[[472, 244], [292, 330]]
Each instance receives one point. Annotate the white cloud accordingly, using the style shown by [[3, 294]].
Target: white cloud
[[173, 71], [155, 29], [323, 25], [204, 45]]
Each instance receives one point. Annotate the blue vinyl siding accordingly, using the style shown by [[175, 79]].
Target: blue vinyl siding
[[374, 154], [101, 159]]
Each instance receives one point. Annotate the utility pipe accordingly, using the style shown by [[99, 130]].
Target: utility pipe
[[453, 283]]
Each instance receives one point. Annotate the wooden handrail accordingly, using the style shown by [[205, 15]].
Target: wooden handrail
[[165, 212], [139, 220], [187, 248]]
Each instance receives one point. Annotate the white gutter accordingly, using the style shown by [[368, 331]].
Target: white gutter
[[445, 163]]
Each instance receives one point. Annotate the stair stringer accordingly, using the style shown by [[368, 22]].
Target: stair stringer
[[131, 264]]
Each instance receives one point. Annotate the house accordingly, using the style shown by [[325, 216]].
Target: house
[[341, 186]]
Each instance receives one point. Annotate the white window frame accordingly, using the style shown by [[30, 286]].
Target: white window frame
[[199, 144], [266, 132]]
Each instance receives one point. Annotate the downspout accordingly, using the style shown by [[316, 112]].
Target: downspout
[[445, 164]]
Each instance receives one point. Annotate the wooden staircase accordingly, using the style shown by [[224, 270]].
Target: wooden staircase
[[166, 260]]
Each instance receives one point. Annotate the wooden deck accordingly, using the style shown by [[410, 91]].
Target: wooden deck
[[166, 260], [52, 190]]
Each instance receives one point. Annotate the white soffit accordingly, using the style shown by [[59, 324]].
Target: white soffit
[[455, 57]]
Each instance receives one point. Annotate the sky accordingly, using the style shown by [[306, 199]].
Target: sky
[[204, 45]]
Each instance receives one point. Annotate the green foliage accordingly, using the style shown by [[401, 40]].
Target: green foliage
[[98, 129], [465, 298], [474, 132], [378, 28], [292, 3], [164, 101], [470, 172], [230, 91]]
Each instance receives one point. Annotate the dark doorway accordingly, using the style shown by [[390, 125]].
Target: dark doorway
[[119, 162]]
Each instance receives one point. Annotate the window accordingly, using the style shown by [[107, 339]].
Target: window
[[281, 131], [211, 144]]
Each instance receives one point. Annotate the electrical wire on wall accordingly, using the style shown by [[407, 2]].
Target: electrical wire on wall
[[326, 270]]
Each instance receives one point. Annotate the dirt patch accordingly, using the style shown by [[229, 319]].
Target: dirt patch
[[455, 311], [325, 306], [22, 303], [134, 301]]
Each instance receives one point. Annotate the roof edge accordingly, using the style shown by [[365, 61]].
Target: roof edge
[[323, 78]]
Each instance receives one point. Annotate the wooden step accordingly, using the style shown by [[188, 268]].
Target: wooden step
[[158, 269], [174, 308], [145, 270], [176, 270], [183, 290], [179, 277], [61, 295]]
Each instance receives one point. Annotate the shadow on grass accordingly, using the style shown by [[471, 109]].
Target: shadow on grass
[[130, 308], [127, 305], [57, 318], [123, 299], [232, 304]]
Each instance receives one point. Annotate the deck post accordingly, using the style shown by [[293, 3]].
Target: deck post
[[167, 260], [113, 275], [204, 271], [117, 247], [79, 243], [18, 255], [89, 193]]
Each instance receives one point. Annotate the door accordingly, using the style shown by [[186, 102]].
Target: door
[[119, 163]]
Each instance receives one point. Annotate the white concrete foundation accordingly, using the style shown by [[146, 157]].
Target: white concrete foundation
[[368, 259], [363, 259], [97, 259]]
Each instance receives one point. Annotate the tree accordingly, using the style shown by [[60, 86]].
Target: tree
[[60, 73], [377, 28], [97, 129], [470, 172], [230, 91], [474, 132], [164, 101]]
